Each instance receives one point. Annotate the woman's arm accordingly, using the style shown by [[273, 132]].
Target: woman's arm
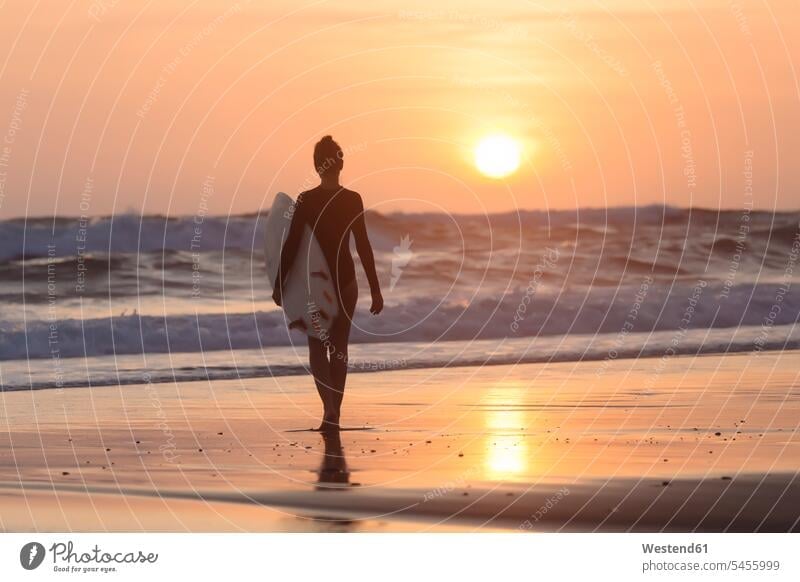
[[364, 249], [289, 251]]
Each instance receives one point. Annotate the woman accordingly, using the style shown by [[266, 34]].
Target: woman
[[332, 212]]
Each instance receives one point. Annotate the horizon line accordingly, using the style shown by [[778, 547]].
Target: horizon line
[[254, 213]]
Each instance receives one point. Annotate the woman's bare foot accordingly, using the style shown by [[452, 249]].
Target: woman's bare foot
[[329, 424]]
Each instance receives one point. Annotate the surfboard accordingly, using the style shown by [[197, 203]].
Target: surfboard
[[309, 295]]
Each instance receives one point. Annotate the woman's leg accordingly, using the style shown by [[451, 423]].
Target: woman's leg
[[320, 368], [340, 338]]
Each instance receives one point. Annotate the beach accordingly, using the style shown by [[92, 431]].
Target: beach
[[683, 443]]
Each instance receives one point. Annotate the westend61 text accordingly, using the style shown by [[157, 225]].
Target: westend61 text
[[675, 549]]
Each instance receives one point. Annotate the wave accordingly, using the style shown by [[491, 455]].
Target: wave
[[511, 278], [25, 239], [126, 233], [522, 312]]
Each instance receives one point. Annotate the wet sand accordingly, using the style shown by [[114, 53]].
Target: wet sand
[[704, 443]]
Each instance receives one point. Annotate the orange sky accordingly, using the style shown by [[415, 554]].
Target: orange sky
[[616, 103]]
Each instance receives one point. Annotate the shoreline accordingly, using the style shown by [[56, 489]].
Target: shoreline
[[247, 372]]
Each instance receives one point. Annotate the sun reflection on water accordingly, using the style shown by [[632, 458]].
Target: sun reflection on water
[[507, 454]]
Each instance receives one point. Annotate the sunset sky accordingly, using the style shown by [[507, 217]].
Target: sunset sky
[[185, 107]]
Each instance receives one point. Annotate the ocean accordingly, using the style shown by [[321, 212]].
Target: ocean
[[132, 299]]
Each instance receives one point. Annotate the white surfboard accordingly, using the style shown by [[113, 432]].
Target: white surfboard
[[309, 295]]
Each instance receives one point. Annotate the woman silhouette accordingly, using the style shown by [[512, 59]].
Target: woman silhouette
[[332, 212]]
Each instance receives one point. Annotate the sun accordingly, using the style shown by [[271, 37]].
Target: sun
[[497, 156]]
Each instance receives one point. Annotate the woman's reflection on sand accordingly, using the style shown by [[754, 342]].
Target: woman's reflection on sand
[[333, 472], [333, 475]]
